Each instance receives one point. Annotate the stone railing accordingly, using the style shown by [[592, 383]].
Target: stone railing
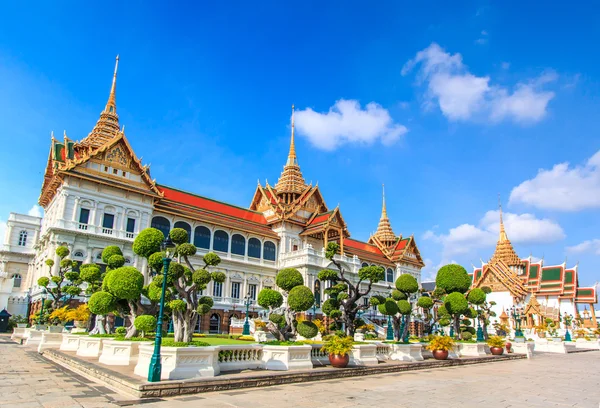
[[240, 357], [318, 356], [383, 351]]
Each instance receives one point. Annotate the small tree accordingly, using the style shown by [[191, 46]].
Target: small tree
[[347, 301], [407, 285], [456, 304], [283, 306], [65, 282], [426, 303], [388, 307], [452, 279], [486, 312], [145, 324]]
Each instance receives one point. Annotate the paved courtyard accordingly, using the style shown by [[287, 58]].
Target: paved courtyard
[[548, 380]]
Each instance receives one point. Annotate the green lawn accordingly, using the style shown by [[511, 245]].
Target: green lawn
[[222, 342]]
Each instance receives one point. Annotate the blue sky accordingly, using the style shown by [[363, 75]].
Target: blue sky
[[448, 106]]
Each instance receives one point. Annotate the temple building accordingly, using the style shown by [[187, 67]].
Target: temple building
[[96, 192], [535, 290]]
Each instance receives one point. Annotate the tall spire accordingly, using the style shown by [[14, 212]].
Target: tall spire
[[291, 180], [503, 236], [504, 249], [384, 230], [107, 126]]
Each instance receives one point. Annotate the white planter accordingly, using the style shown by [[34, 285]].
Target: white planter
[[283, 358], [406, 352], [359, 336], [40, 327], [240, 357], [179, 363], [363, 355], [56, 329], [18, 333], [544, 345], [34, 338], [70, 342], [115, 352], [523, 348], [588, 344], [262, 336], [470, 349], [49, 340], [21, 325], [90, 346]]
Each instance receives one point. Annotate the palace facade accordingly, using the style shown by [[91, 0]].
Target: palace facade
[[96, 192], [538, 291]]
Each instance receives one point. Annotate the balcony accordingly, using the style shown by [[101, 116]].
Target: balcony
[[310, 256]]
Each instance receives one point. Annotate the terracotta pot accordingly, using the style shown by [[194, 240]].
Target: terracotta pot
[[338, 361], [508, 345], [440, 354], [497, 351]]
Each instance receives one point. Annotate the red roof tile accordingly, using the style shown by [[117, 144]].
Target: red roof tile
[[350, 243], [320, 218], [211, 205]]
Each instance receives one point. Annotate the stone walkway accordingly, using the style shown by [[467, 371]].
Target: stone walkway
[[548, 380]]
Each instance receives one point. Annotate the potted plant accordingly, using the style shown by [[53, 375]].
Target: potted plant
[[496, 344], [21, 321], [259, 325], [80, 316], [440, 346], [339, 348], [552, 330], [59, 317]]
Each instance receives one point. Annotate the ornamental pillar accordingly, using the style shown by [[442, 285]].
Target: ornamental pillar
[[75, 208]]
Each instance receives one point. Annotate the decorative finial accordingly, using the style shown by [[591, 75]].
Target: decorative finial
[[111, 105], [52, 134], [383, 208], [503, 236], [292, 159]]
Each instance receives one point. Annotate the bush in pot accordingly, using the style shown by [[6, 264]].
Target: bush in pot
[[440, 346], [339, 348], [496, 344]]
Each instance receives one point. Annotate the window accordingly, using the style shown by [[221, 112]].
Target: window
[[235, 290], [238, 244], [22, 238], [108, 221], [16, 280], [254, 248], [161, 224], [221, 242], [269, 251], [202, 237], [252, 291], [364, 265], [186, 227], [130, 225], [218, 289], [365, 301], [390, 275], [84, 216], [78, 254], [214, 324]]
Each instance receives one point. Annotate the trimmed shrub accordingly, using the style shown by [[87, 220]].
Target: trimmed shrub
[[307, 329], [155, 261], [407, 284], [211, 259], [177, 305], [186, 249], [276, 318], [116, 261], [456, 303], [376, 300], [371, 273], [148, 242], [110, 251], [179, 235], [206, 300], [43, 281], [62, 252], [397, 295], [328, 306], [125, 283], [453, 278], [300, 299], [327, 274], [101, 303], [388, 308], [289, 278], [145, 323], [270, 298], [425, 302], [404, 307], [121, 331], [218, 277], [91, 273], [201, 277], [466, 335], [476, 296]]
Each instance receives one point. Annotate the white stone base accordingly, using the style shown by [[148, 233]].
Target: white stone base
[[284, 358], [359, 337], [90, 346], [34, 338], [363, 355], [78, 330], [18, 333], [116, 352], [262, 336], [587, 344], [546, 346], [406, 352], [70, 342], [56, 329], [49, 340], [179, 363], [523, 348], [470, 349]]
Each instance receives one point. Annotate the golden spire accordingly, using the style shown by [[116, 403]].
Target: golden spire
[[291, 180], [384, 230], [107, 126], [504, 249]]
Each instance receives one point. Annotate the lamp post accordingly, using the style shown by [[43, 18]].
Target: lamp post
[[479, 329], [314, 308], [516, 314], [155, 368], [42, 309], [247, 301], [567, 319]]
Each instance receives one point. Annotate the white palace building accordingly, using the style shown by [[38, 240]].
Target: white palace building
[[96, 193]]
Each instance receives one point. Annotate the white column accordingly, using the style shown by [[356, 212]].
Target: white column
[[75, 208], [8, 235]]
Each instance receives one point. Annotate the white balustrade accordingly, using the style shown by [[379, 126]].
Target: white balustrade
[[240, 357]]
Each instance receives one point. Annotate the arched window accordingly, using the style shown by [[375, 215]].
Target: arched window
[[221, 241], [22, 238], [215, 324], [186, 227], [390, 275], [161, 224], [254, 248], [364, 264], [16, 280], [78, 254], [238, 244], [127, 260], [317, 293], [269, 249], [202, 237]]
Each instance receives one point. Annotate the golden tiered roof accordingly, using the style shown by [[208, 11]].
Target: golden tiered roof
[[291, 180], [107, 126], [384, 232], [504, 249]]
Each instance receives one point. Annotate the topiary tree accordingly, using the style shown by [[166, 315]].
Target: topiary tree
[[145, 324], [407, 285], [283, 306], [184, 281], [426, 303], [484, 309], [453, 278], [456, 304], [389, 307], [347, 300], [64, 284]]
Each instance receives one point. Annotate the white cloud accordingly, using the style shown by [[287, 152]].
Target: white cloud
[[591, 246], [520, 228], [347, 122], [562, 188], [464, 96], [36, 211]]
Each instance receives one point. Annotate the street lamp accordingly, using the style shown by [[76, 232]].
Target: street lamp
[[479, 329], [390, 329], [314, 308], [247, 302], [155, 368], [517, 315], [42, 309], [567, 319]]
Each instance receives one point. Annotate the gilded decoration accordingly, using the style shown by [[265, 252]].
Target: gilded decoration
[[117, 155]]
